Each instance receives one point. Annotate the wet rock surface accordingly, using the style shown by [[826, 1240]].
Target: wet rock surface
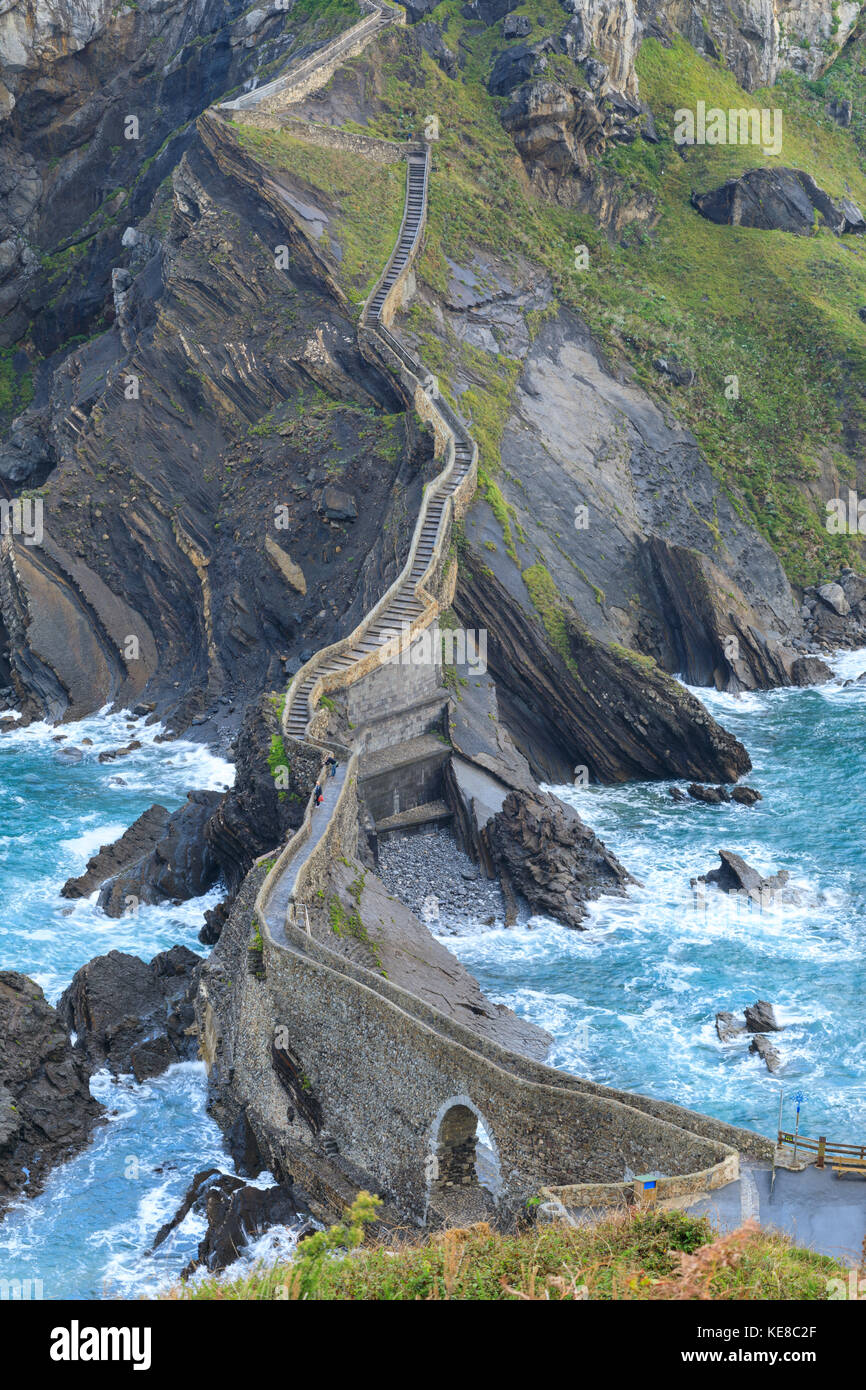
[[180, 865], [135, 842], [545, 853], [236, 1214], [758, 1019], [46, 1109], [734, 875], [131, 1016]]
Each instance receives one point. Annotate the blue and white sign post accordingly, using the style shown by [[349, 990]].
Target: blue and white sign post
[[799, 1098]]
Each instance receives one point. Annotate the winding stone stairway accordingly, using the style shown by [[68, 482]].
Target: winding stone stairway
[[405, 608], [409, 607], [410, 1069]]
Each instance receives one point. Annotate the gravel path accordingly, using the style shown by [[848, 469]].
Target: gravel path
[[437, 881]]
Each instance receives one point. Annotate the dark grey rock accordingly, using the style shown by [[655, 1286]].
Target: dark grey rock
[[760, 1018], [785, 200], [131, 1016], [181, 864], [765, 1049], [713, 796], [728, 1026], [745, 796], [46, 1109], [734, 875]]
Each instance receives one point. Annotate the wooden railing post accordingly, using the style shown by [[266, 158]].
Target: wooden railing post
[[822, 1144]]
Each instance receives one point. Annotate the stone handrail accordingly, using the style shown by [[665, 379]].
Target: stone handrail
[[377, 339], [411, 371], [381, 13]]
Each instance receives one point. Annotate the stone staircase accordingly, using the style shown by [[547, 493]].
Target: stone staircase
[[405, 608], [408, 608]]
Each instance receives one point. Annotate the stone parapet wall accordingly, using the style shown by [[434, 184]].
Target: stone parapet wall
[[317, 70], [382, 1076]]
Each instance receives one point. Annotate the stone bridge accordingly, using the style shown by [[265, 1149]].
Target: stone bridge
[[383, 1090]]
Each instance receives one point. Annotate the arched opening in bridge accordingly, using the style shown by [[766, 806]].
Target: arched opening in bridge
[[464, 1166]]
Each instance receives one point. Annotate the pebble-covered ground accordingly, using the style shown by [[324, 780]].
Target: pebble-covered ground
[[433, 876]]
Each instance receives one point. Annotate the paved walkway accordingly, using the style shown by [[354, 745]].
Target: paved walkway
[[278, 902], [817, 1209]]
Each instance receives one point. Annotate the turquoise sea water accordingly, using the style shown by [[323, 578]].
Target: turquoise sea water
[[631, 1001]]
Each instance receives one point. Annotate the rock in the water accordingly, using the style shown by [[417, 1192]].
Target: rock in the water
[[543, 850], [713, 796], [765, 1049], [810, 670], [785, 200], [727, 1026], [677, 794], [69, 755], [236, 1213], [109, 754], [745, 796], [180, 865], [131, 1016], [734, 875], [760, 1018], [46, 1109], [134, 843]]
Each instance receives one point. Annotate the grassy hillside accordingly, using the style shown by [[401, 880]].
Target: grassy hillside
[[650, 1256], [365, 200], [777, 311]]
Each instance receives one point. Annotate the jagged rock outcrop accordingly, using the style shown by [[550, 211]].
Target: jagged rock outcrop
[[781, 200], [834, 615], [72, 76], [734, 875], [587, 705], [180, 865], [160, 858], [761, 1017], [135, 842], [546, 853], [46, 1109], [236, 1214], [767, 1052], [155, 578], [758, 1019], [131, 1016], [636, 534]]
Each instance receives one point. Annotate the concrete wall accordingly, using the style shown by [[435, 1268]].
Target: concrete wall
[[404, 785], [399, 699]]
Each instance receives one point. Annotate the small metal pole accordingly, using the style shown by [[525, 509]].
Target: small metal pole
[[798, 1097], [781, 1095]]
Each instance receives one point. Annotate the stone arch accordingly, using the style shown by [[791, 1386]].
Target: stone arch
[[463, 1169]]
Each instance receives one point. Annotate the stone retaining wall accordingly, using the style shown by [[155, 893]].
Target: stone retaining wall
[[382, 1077]]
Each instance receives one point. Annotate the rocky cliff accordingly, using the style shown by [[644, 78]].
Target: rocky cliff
[[227, 483]]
